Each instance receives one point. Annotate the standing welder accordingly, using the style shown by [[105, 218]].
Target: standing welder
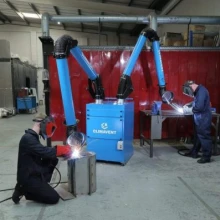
[[202, 120], [36, 163]]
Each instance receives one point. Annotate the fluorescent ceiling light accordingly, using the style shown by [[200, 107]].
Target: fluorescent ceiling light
[[30, 15]]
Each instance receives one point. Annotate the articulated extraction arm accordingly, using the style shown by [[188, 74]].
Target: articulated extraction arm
[[63, 47], [125, 86]]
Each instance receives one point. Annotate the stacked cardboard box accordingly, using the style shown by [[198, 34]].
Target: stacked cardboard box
[[170, 38], [198, 33]]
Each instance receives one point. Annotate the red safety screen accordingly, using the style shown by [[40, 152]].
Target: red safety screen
[[179, 66]]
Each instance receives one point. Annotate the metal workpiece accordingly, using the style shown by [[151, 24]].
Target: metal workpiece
[[82, 174]]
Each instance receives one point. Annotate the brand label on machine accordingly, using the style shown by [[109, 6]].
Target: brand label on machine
[[104, 130]]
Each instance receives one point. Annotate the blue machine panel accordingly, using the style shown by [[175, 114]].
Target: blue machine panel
[[110, 129]]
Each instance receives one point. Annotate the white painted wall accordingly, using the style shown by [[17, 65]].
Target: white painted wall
[[25, 42], [192, 8]]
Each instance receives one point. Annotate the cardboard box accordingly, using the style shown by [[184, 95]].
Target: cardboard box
[[179, 43], [169, 38], [208, 43], [195, 35], [196, 42], [197, 28]]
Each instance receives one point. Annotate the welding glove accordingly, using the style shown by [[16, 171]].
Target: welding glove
[[187, 108], [63, 151]]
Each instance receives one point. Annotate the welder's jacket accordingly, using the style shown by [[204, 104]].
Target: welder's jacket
[[33, 158], [201, 106]]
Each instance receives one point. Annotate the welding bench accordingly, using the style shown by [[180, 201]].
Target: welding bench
[[156, 122]]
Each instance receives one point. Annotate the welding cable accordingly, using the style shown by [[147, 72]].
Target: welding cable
[[50, 184], [180, 152], [59, 177], [6, 199]]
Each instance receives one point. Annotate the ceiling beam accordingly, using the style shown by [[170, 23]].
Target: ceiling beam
[[119, 9], [121, 24], [80, 13], [4, 17], [35, 9], [56, 9], [130, 3], [16, 11], [157, 5]]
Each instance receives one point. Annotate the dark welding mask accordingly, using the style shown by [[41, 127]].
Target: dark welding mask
[[47, 126], [187, 90]]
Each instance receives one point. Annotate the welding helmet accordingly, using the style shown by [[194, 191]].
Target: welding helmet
[[47, 125], [187, 90]]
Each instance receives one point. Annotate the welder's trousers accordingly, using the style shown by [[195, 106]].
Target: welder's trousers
[[37, 187], [203, 136], [39, 190]]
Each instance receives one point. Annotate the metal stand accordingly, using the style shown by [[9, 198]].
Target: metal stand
[[156, 127]]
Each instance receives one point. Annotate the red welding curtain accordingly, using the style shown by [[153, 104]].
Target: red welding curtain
[[201, 66]]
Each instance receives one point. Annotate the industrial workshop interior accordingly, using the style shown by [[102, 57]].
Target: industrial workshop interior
[[109, 109]]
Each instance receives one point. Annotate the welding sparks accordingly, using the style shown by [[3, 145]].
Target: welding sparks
[[180, 110], [76, 153], [176, 107]]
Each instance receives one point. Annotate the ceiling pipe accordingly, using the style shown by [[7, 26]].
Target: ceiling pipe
[[169, 7], [46, 18], [89, 19], [140, 19]]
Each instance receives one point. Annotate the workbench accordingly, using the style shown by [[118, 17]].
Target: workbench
[[156, 122]]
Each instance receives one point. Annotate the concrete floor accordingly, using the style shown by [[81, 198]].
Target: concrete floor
[[167, 187]]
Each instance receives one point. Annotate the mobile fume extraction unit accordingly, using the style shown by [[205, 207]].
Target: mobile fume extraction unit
[[109, 123]]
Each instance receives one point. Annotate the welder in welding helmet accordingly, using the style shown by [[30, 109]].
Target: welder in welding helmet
[[187, 88], [202, 120], [36, 162], [47, 125]]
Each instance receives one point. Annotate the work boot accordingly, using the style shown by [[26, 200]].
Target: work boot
[[204, 160], [17, 195]]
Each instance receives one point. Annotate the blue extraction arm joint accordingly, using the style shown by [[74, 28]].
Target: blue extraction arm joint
[[125, 85]]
